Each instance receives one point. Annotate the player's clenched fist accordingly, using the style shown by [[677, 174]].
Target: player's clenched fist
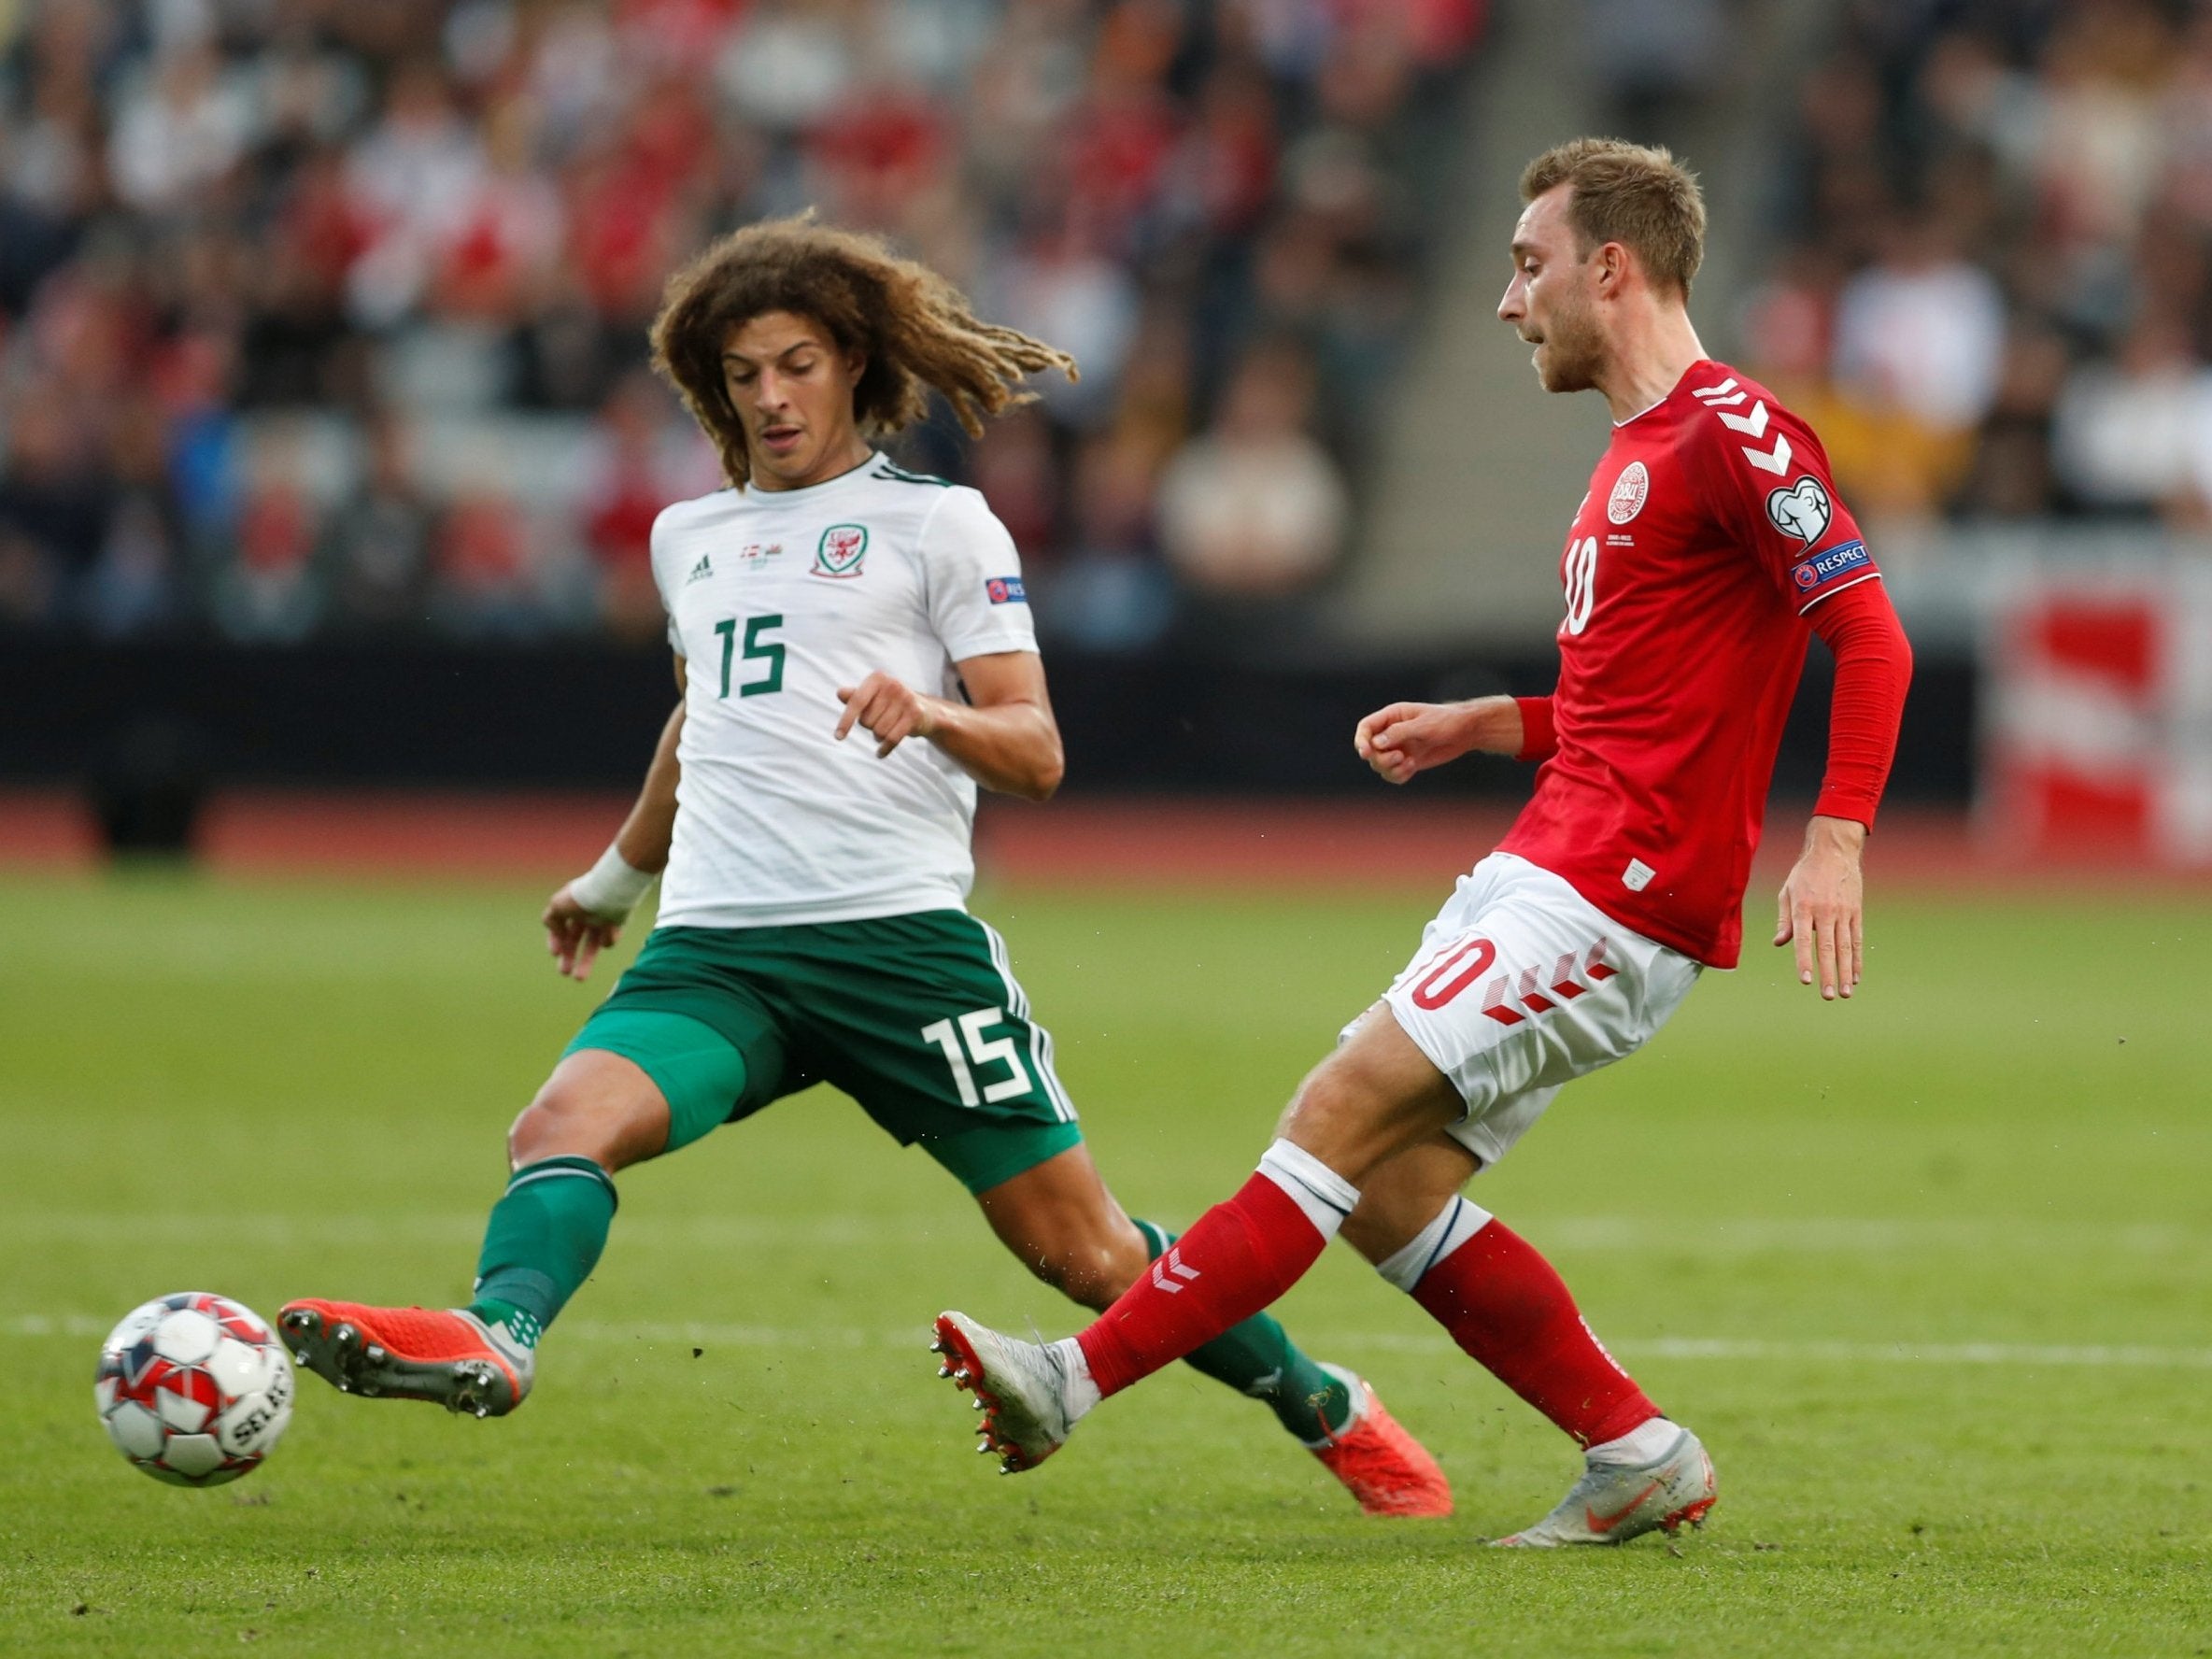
[[890, 711], [1411, 737]]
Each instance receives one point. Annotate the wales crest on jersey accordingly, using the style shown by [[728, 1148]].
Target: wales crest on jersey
[[841, 549]]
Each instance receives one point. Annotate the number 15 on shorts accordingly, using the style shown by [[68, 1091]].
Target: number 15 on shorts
[[981, 1051]]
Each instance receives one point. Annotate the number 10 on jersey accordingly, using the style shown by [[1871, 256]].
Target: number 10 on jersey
[[757, 650], [1578, 571]]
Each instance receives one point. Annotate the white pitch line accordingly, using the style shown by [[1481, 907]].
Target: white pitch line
[[2095, 1354], [2133, 1356]]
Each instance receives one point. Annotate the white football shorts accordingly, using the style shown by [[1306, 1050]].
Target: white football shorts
[[1522, 985]]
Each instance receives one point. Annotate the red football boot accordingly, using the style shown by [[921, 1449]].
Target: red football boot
[[448, 1356]]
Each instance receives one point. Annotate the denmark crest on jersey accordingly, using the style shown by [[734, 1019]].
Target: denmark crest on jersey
[[841, 549], [1629, 490]]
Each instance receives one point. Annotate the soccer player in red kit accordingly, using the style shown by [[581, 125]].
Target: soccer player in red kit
[[1709, 550]]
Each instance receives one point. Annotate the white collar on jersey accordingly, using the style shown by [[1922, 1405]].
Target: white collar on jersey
[[1640, 413]]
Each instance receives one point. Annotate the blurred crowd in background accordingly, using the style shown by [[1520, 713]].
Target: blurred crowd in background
[[321, 316], [1994, 293]]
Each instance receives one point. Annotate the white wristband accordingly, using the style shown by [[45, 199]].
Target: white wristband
[[611, 887]]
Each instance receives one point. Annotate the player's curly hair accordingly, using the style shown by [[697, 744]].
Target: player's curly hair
[[912, 326], [1635, 194]]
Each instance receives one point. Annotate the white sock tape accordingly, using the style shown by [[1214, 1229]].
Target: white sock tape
[[1325, 1195], [1453, 1225]]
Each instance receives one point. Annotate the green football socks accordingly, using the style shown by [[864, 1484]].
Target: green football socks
[[1258, 1358], [541, 1244]]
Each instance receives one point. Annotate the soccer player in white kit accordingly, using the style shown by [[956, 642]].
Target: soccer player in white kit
[[855, 651]]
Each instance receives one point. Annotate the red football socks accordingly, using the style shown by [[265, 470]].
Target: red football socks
[[1513, 1314], [1239, 1257]]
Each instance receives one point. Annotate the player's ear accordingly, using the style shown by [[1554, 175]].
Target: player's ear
[[1611, 260]]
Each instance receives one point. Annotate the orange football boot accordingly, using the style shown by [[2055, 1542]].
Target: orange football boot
[[1386, 1469], [448, 1356]]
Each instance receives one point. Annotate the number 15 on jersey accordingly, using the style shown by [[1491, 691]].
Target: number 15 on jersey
[[756, 651]]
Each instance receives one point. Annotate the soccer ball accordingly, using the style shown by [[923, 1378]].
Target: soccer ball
[[193, 1388]]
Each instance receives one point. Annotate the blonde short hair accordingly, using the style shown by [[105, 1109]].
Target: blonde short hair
[[1638, 195]]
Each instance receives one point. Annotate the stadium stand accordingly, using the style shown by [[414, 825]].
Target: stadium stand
[[1994, 294], [323, 319]]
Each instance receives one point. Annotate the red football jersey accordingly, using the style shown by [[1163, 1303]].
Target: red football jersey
[[1710, 528]]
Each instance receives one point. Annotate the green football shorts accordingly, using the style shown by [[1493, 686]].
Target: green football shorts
[[918, 1017]]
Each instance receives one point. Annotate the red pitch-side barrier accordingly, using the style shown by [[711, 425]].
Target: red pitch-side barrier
[[1249, 845]]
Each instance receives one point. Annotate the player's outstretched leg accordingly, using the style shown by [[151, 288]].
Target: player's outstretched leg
[[1375, 1097], [1507, 1307], [1060, 1220], [598, 1112], [543, 1239], [1235, 1260]]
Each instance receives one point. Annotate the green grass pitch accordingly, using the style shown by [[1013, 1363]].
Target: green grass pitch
[[1931, 1271]]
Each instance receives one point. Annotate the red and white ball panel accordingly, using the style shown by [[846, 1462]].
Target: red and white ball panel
[[193, 1388]]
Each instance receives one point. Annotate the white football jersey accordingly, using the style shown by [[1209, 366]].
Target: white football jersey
[[777, 598]]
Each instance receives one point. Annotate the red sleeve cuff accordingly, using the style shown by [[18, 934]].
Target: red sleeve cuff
[[1539, 737], [1846, 803]]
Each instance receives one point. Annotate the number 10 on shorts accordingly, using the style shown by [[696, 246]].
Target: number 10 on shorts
[[981, 1051]]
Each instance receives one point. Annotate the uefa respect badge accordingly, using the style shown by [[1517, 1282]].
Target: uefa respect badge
[[1840, 564]]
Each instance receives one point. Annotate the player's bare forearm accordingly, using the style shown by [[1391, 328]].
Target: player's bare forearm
[[1492, 725], [1407, 738], [1821, 906], [651, 827], [1012, 748]]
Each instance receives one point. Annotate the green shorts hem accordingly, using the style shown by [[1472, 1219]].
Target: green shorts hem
[[982, 1159], [698, 1071]]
